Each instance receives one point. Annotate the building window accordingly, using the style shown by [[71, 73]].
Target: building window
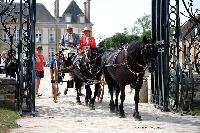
[[51, 53], [82, 19], [52, 37], [16, 36], [38, 37], [68, 19], [5, 36], [80, 32]]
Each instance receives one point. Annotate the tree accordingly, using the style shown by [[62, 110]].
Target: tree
[[126, 31], [143, 24], [141, 28], [117, 40]]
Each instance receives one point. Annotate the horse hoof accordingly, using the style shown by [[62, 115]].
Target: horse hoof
[[92, 107], [100, 101], [122, 116], [65, 92], [79, 102], [137, 117], [86, 103], [112, 111]]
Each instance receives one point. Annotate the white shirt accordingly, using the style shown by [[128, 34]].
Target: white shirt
[[2, 64], [87, 39], [69, 38]]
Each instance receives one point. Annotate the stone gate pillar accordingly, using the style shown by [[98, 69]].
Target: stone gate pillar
[[7, 92]]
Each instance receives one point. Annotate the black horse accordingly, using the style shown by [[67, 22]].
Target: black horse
[[127, 66], [85, 68]]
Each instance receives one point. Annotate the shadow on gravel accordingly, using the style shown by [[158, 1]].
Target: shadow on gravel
[[102, 110]]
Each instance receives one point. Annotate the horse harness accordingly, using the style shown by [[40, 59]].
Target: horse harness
[[125, 63]]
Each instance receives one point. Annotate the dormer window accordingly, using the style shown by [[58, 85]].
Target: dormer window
[[68, 18], [38, 36], [82, 19]]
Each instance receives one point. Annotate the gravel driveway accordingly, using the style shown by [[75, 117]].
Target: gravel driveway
[[67, 116]]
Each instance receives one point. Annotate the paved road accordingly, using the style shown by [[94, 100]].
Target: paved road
[[66, 116]]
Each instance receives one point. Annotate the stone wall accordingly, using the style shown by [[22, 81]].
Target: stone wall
[[7, 92], [144, 91]]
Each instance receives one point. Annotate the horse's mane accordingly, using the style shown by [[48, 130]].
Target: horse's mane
[[133, 48], [134, 52]]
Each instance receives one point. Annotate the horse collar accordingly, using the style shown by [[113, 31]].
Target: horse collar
[[127, 65]]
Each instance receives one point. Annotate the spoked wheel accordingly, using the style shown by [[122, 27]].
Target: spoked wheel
[[55, 91], [55, 83], [101, 90]]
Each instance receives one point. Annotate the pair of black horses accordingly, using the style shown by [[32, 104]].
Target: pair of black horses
[[120, 67]]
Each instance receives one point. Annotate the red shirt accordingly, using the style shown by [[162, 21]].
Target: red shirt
[[39, 66], [83, 42]]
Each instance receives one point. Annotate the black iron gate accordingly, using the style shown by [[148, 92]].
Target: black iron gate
[[173, 81], [18, 28]]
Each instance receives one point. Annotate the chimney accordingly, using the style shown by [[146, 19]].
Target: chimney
[[87, 9], [56, 9]]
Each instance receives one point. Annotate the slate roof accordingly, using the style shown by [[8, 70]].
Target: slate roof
[[42, 14], [75, 11]]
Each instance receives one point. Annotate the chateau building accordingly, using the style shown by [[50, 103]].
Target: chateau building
[[49, 29]]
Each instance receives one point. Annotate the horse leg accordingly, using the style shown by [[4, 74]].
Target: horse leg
[[78, 85], [116, 100], [88, 94], [136, 114], [112, 104], [122, 97], [97, 88]]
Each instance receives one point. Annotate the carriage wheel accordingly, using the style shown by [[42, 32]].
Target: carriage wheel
[[55, 83], [55, 91], [101, 90]]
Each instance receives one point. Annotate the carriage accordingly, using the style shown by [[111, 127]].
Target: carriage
[[75, 69]]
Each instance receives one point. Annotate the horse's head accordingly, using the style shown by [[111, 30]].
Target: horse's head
[[94, 53], [150, 53]]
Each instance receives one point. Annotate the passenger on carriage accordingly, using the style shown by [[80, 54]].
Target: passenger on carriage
[[69, 39], [86, 40]]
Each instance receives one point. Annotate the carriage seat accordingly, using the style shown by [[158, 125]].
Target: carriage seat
[[69, 51]]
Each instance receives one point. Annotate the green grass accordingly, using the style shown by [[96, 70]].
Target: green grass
[[8, 119], [196, 110]]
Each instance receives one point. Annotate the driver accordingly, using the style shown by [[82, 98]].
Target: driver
[[86, 39], [69, 39]]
